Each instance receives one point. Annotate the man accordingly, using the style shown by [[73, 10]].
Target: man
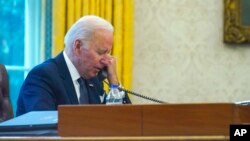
[[88, 44]]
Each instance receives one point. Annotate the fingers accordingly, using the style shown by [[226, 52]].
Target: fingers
[[112, 60], [109, 60]]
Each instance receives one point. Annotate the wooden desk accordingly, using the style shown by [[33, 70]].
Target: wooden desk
[[151, 120], [170, 122], [127, 138]]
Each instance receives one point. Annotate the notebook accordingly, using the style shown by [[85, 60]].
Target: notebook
[[32, 123]]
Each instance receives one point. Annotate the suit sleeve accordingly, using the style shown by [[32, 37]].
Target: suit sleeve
[[36, 93]]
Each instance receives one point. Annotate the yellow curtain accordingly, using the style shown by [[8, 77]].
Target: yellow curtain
[[118, 12]]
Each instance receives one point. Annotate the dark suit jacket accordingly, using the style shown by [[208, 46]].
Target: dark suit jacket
[[49, 85]]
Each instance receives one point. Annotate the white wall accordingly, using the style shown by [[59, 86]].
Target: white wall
[[180, 57]]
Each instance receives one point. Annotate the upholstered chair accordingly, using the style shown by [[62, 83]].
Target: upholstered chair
[[6, 111]]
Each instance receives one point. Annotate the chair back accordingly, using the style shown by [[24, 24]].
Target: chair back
[[6, 111]]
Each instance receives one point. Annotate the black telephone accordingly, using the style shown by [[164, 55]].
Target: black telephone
[[103, 75]]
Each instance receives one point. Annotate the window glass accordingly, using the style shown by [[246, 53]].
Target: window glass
[[12, 17], [12, 32]]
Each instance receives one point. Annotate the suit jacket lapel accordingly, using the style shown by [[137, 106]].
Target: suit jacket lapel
[[66, 77], [94, 96]]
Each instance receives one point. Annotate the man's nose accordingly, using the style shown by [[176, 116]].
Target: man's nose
[[104, 61]]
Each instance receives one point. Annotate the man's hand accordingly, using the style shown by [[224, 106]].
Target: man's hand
[[110, 63]]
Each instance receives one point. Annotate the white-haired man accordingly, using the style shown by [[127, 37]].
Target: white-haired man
[[57, 81]]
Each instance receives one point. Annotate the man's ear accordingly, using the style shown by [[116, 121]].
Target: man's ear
[[77, 43], [77, 46]]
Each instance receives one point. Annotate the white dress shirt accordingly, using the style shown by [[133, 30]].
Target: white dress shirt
[[73, 73]]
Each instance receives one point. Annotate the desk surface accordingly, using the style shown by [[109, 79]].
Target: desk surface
[[128, 138]]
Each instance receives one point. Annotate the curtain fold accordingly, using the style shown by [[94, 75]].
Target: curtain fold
[[58, 25], [118, 12]]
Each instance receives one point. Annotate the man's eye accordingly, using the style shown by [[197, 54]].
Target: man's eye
[[100, 53], [103, 52]]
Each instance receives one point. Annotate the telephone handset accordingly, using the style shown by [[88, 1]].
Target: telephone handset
[[103, 75]]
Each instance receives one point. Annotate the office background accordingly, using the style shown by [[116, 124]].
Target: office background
[[180, 57]]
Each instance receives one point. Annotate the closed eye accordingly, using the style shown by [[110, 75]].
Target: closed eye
[[102, 52]]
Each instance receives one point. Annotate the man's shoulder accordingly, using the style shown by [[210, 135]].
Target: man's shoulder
[[44, 67], [49, 65]]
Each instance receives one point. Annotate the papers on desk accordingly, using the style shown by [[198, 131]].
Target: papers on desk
[[245, 102]]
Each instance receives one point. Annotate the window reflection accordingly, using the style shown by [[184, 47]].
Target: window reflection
[[12, 43], [12, 32]]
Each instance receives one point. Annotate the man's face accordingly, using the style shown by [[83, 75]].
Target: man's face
[[89, 60]]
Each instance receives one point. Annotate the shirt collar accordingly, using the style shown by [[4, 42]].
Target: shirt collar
[[72, 69]]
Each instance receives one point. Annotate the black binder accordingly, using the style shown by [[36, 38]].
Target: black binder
[[35, 123]]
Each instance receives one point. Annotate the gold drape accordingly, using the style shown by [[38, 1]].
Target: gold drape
[[118, 12]]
